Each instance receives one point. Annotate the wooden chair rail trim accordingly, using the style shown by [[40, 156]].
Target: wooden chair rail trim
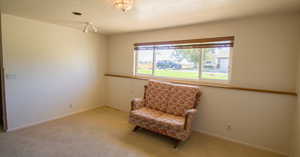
[[205, 84], [228, 38]]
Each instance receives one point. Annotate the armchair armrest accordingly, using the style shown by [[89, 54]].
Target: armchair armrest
[[189, 115], [137, 103]]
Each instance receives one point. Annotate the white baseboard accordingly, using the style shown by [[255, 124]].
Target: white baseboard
[[54, 118], [241, 142]]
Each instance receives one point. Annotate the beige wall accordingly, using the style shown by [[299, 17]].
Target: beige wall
[[48, 67], [295, 135], [264, 56], [1, 102]]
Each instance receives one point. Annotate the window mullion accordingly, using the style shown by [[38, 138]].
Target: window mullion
[[200, 64], [135, 62], [153, 61]]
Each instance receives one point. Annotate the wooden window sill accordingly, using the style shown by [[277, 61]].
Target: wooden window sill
[[206, 84]]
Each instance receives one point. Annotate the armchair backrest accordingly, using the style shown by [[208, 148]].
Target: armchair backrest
[[182, 98], [171, 98], [156, 95]]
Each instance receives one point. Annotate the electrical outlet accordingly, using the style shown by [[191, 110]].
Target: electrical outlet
[[228, 127]]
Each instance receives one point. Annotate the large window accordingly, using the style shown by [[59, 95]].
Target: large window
[[207, 59]]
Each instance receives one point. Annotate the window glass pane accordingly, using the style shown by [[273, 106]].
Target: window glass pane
[[144, 62], [178, 63], [215, 63]]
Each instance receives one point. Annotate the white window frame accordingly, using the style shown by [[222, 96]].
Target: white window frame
[[175, 78]]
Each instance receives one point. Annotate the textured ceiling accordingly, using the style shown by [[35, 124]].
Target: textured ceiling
[[145, 15]]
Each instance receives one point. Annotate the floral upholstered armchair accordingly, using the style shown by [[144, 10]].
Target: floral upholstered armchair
[[167, 109]]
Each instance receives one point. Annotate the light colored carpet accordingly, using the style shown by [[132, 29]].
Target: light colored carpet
[[105, 132]]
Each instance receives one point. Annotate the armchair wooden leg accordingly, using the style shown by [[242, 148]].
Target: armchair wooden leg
[[135, 128], [177, 142]]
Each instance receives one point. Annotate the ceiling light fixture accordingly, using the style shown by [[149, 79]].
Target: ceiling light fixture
[[90, 26], [124, 5]]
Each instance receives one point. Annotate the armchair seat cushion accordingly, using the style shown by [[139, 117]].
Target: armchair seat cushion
[[171, 121], [146, 113], [158, 118]]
